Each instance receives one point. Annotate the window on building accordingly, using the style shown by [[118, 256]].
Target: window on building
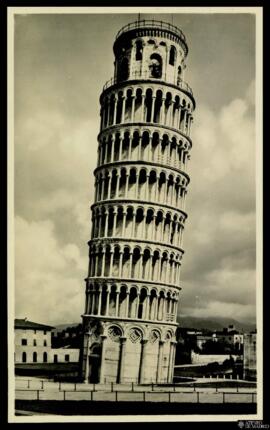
[[139, 49], [67, 357], [24, 357], [24, 341], [45, 332], [45, 357], [155, 66], [35, 332], [35, 342], [55, 358], [172, 55], [45, 342], [34, 357]]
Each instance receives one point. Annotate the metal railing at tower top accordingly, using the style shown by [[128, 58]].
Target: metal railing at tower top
[[161, 25], [146, 75]]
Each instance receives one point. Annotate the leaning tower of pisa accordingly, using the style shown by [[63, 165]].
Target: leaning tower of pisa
[[138, 217]]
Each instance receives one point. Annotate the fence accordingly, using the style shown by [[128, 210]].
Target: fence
[[140, 396]]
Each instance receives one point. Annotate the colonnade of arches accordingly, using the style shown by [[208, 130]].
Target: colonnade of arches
[[137, 222], [133, 262], [143, 183], [131, 302], [145, 146], [138, 104]]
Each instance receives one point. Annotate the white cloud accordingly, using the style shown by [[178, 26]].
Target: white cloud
[[219, 264], [49, 278]]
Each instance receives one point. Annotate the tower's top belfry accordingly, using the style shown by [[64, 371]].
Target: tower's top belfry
[[150, 49]]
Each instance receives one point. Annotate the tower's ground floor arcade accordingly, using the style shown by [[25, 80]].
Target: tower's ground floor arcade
[[127, 351]]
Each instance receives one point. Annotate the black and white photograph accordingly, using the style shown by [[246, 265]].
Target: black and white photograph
[[135, 209]]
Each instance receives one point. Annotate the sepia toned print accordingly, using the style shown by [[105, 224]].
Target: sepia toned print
[[132, 132]]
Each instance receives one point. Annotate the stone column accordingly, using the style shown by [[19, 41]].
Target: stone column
[[179, 117], [117, 303], [109, 113], [117, 186], [112, 153], [99, 301], [107, 301], [146, 312], [114, 222], [111, 263], [96, 263], [120, 148], [184, 121], [123, 109], [130, 264], [164, 309], [133, 108], [123, 223], [152, 109], [160, 359], [169, 363], [137, 186], [142, 361], [120, 263], [140, 265], [159, 151], [106, 152], [106, 223], [149, 158], [153, 227], [102, 188], [156, 309], [126, 185], [115, 110], [122, 359], [142, 107], [103, 262], [162, 110], [109, 186], [93, 304], [102, 359], [133, 222], [127, 303], [172, 116]]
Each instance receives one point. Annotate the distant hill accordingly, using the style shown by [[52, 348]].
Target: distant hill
[[217, 323], [61, 327]]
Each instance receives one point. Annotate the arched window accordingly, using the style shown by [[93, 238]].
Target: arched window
[[34, 357], [45, 357], [24, 358], [172, 56], [139, 49], [123, 70], [155, 66]]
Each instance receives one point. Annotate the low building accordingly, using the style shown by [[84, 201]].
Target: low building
[[250, 356], [33, 344]]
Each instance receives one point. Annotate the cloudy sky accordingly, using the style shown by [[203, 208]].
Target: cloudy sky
[[61, 64]]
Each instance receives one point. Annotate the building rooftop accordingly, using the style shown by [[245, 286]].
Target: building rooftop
[[30, 325]]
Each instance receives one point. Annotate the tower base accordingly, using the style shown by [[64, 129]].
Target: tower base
[[127, 351]]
